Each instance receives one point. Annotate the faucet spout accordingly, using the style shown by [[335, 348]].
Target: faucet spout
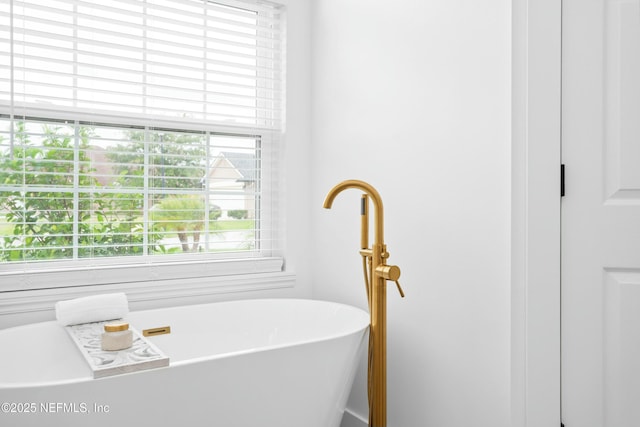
[[372, 193]]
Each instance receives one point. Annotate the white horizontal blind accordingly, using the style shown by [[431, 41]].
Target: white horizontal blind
[[137, 132], [82, 190], [186, 60]]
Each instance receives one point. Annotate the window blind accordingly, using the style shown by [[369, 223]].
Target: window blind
[[138, 133], [190, 61], [84, 190]]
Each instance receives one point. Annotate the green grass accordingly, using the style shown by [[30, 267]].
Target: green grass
[[232, 224]]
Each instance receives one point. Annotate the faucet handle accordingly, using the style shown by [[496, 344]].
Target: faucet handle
[[390, 272], [399, 288]]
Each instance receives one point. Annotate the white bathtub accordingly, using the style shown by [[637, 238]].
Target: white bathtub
[[256, 363]]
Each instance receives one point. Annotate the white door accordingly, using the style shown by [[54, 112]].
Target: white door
[[601, 213]]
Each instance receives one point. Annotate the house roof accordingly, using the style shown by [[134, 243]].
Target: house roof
[[245, 164]]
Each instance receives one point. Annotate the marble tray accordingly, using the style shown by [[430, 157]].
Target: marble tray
[[140, 356]]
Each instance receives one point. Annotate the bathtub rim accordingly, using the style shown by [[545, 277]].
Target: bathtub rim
[[343, 334], [274, 347]]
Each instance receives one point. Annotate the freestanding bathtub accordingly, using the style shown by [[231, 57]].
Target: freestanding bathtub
[[254, 363]]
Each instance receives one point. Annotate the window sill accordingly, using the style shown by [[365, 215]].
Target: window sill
[[145, 291], [39, 277]]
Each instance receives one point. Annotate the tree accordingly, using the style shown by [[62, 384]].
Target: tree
[[43, 218], [51, 221], [45, 211], [184, 215], [176, 159]]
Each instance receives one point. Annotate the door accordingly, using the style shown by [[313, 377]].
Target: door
[[601, 213]]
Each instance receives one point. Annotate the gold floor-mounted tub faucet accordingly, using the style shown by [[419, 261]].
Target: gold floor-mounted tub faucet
[[376, 274]]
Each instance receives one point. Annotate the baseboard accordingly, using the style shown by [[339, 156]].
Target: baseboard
[[349, 419]]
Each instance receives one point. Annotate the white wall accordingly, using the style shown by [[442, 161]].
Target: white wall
[[296, 146], [414, 97]]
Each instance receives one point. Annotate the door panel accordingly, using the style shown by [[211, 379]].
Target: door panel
[[622, 100], [601, 213]]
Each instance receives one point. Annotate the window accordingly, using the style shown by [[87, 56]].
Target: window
[[137, 133]]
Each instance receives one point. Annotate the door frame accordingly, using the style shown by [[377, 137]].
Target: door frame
[[535, 215]]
